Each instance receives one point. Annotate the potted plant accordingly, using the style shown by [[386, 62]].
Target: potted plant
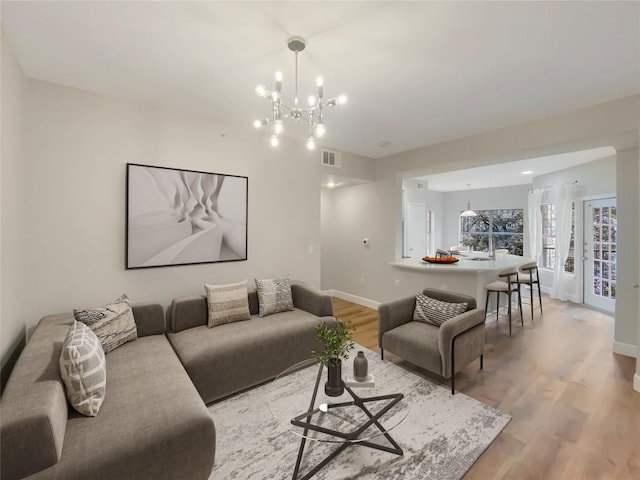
[[337, 345]]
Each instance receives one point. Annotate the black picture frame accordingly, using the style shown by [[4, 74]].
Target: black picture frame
[[184, 217]]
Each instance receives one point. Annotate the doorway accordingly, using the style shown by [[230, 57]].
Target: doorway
[[600, 238], [416, 228]]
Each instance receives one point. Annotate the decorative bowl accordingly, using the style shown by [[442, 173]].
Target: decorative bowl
[[440, 259]]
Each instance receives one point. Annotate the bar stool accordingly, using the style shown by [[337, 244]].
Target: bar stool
[[506, 279], [528, 275]]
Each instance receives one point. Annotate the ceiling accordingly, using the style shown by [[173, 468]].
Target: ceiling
[[511, 173], [416, 73]]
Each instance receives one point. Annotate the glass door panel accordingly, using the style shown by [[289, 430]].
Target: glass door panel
[[600, 253]]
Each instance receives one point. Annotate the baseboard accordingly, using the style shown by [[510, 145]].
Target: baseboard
[[636, 382], [625, 349], [365, 302]]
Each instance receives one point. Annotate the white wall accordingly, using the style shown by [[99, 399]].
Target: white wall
[[12, 305], [74, 170]]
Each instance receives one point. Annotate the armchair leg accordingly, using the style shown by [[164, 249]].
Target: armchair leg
[[481, 361], [382, 354], [453, 366]]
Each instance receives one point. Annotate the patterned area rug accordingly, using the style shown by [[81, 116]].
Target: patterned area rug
[[442, 435]]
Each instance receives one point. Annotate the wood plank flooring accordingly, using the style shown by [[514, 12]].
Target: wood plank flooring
[[574, 412]]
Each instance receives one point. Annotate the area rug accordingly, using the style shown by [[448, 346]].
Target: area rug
[[442, 435]]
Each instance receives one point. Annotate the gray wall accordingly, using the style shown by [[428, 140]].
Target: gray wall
[[628, 260], [12, 305], [67, 191]]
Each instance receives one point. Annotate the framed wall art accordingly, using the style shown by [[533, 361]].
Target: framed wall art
[[184, 217]]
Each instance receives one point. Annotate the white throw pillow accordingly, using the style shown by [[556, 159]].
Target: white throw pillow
[[83, 369], [434, 311], [227, 303]]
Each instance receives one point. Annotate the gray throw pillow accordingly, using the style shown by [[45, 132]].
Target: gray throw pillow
[[83, 369], [434, 311], [113, 324], [227, 303], [274, 296]]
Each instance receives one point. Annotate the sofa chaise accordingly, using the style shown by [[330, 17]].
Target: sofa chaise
[[152, 424]]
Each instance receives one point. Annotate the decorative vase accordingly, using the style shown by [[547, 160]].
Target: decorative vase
[[360, 367], [334, 386]]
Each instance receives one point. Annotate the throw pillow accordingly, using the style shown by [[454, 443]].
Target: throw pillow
[[274, 296], [434, 311], [227, 303], [83, 369], [113, 324]]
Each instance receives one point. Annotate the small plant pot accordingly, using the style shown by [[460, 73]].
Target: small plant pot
[[334, 387]]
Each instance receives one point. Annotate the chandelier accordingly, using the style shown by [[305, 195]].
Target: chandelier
[[313, 115]]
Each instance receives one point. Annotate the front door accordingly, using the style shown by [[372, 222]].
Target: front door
[[600, 234]]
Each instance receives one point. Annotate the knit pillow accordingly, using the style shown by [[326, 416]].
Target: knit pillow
[[113, 324], [83, 369], [227, 303], [274, 296], [434, 311]]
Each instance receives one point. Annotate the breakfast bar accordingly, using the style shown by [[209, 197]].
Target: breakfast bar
[[469, 275]]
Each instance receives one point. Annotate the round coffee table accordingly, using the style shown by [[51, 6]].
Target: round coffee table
[[298, 402]]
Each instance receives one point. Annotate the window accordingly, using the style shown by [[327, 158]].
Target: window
[[549, 238], [505, 226]]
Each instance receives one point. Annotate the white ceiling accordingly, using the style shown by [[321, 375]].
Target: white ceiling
[[510, 173], [416, 73]]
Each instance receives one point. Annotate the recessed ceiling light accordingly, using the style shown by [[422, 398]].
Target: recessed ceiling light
[[527, 172], [383, 144], [331, 184]]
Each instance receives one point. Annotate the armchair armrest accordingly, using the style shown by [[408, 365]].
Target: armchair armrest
[[454, 327], [393, 314], [311, 299]]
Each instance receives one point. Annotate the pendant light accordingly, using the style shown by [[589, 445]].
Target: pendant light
[[468, 212]]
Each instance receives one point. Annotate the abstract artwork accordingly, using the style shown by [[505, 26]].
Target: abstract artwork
[[182, 217]]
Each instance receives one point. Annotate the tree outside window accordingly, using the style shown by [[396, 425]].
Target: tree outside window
[[505, 226]]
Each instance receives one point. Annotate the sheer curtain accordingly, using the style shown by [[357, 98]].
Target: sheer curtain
[[563, 201], [534, 201]]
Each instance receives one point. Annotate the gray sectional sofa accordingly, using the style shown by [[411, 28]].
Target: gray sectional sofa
[[153, 423], [228, 358]]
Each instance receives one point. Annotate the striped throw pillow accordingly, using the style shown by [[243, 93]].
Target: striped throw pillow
[[113, 324], [83, 369], [274, 296], [227, 303], [434, 311]]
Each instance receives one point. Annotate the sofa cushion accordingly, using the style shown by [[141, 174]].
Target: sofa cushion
[[235, 356], [113, 324], [416, 342], [227, 303], [83, 369], [274, 296], [434, 311]]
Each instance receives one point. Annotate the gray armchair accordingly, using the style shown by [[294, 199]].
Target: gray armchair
[[444, 350]]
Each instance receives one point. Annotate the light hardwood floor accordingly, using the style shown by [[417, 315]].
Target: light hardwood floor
[[574, 412]]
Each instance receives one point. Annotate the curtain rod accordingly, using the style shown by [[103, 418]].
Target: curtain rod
[[547, 187]]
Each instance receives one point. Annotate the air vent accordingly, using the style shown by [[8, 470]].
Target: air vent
[[331, 158], [420, 186]]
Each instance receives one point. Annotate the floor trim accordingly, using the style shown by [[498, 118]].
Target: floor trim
[[365, 302], [636, 382], [625, 349]]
